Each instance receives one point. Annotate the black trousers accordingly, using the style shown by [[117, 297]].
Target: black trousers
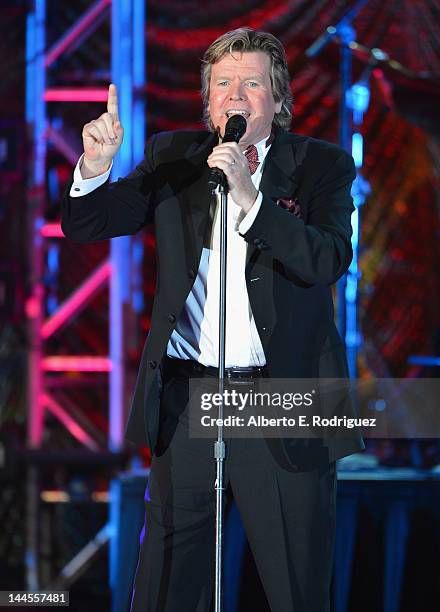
[[288, 516]]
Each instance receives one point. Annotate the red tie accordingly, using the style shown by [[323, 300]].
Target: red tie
[[252, 157]]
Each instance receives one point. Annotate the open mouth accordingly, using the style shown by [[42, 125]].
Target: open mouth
[[232, 112]]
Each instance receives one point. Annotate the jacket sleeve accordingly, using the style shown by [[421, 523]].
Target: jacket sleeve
[[319, 251], [113, 209]]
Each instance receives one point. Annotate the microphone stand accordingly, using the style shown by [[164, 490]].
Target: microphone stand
[[219, 445], [234, 130], [353, 104]]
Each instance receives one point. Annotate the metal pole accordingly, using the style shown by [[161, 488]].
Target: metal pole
[[347, 286], [346, 34], [36, 121], [128, 73], [219, 445]]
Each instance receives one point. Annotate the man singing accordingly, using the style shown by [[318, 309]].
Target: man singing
[[289, 230]]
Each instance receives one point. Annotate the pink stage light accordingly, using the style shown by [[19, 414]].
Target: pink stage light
[[79, 29], [77, 300], [76, 363], [52, 230], [69, 422], [32, 307], [95, 94]]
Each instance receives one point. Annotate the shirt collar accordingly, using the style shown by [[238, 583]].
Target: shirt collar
[[263, 148]]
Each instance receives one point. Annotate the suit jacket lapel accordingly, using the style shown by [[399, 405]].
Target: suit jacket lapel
[[198, 195], [280, 166], [278, 179]]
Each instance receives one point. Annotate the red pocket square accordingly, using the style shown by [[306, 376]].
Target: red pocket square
[[290, 204]]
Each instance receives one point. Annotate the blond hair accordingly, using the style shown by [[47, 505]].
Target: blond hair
[[245, 40]]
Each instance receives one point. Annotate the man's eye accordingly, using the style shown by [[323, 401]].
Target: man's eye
[[222, 83], [252, 83]]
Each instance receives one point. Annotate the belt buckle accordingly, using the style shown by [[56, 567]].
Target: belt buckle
[[240, 375]]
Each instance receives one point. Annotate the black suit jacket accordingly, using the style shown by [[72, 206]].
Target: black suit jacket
[[295, 254]]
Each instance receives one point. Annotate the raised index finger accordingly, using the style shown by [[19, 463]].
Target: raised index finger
[[112, 102]]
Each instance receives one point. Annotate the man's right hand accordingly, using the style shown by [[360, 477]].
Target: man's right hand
[[102, 138]]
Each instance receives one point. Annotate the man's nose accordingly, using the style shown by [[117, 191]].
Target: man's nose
[[237, 91]]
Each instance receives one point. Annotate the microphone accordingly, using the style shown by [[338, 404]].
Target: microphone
[[234, 130]]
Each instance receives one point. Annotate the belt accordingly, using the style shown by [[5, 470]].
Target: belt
[[193, 369]]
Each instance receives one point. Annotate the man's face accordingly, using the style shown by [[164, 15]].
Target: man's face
[[242, 83]]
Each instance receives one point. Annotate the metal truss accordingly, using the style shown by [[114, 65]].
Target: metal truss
[[118, 272]]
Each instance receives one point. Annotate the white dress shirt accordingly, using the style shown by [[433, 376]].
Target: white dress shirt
[[196, 335]]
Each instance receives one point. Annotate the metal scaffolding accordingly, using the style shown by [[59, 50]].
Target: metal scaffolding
[[118, 272]]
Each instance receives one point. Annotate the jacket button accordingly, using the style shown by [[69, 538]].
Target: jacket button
[[171, 318], [153, 364], [192, 273], [257, 241]]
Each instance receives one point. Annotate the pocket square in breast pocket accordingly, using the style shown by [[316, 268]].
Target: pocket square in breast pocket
[[290, 204]]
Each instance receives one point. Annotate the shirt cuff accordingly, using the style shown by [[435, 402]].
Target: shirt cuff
[[81, 186], [246, 224]]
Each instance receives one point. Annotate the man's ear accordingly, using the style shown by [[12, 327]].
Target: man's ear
[[278, 106]]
